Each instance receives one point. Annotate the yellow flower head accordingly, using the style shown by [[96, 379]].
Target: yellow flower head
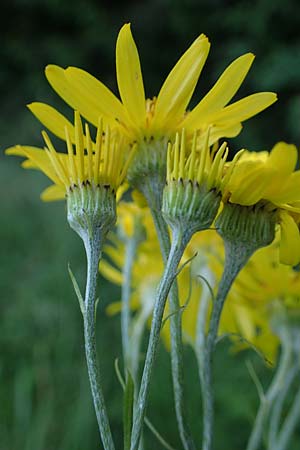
[[151, 123], [148, 263], [88, 175], [194, 177], [167, 113], [268, 181], [266, 290], [87, 163], [245, 316]]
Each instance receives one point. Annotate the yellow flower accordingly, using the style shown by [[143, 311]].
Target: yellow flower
[[245, 317], [147, 120], [264, 280], [269, 181], [194, 165], [262, 286], [100, 163], [148, 263], [191, 196]]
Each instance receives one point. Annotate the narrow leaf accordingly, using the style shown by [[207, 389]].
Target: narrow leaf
[[128, 410], [77, 290]]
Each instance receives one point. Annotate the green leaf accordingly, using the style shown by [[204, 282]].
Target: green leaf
[[149, 424], [77, 290], [128, 410]]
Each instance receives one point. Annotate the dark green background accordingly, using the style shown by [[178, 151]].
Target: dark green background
[[44, 395]]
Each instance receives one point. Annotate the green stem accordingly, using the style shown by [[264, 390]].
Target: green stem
[[152, 190], [289, 425], [199, 346], [178, 245], [93, 251], [272, 393], [138, 326], [276, 412], [130, 252], [236, 257], [176, 339]]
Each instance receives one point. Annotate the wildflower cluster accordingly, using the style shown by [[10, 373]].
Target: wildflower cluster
[[168, 164]]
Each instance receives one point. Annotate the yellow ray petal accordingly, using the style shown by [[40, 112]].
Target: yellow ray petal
[[179, 86], [53, 193], [96, 99], [113, 308], [129, 75], [218, 132], [52, 119], [290, 240], [290, 192], [109, 272], [249, 184], [37, 159], [244, 109], [85, 93], [20, 150], [284, 156], [222, 92]]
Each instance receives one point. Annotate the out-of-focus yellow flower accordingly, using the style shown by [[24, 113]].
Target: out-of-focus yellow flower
[[147, 120], [260, 287], [268, 181], [264, 280], [246, 314]]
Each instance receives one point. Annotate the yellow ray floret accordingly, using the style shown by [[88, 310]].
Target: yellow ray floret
[[269, 180], [168, 112], [96, 163], [194, 164], [267, 176]]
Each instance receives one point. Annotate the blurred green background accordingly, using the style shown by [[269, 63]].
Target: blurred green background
[[45, 402]]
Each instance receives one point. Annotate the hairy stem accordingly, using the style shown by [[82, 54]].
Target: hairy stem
[[176, 340], [130, 252], [276, 413], [269, 398], [93, 252], [153, 193], [289, 425], [236, 257], [178, 245]]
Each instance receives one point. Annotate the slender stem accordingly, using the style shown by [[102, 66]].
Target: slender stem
[[272, 393], [236, 257], [93, 251], [199, 346], [178, 245], [138, 326], [176, 339], [276, 412], [289, 425], [130, 251]]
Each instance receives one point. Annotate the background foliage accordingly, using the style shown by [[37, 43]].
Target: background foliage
[[44, 394]]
